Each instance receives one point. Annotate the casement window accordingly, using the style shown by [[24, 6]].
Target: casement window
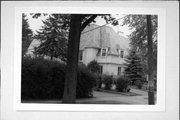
[[119, 71], [80, 55], [103, 52], [122, 54]]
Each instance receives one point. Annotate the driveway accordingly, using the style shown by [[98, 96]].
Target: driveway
[[107, 98], [114, 98]]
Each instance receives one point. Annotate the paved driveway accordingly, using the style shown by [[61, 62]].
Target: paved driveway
[[107, 98], [113, 98]]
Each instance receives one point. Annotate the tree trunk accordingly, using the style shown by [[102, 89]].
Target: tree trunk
[[150, 62], [69, 95]]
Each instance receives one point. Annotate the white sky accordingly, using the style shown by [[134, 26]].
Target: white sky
[[35, 24]]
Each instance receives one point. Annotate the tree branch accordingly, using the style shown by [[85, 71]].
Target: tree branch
[[87, 22]]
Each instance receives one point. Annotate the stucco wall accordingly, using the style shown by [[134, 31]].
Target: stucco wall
[[89, 54], [112, 69], [110, 59]]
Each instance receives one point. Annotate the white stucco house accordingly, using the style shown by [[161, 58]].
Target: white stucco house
[[105, 46], [102, 44]]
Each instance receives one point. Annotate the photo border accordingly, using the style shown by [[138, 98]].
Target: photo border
[[160, 106]]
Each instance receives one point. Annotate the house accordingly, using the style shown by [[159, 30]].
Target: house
[[105, 46], [102, 44]]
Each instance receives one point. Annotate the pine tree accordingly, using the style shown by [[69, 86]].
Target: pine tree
[[53, 37], [26, 35], [134, 68]]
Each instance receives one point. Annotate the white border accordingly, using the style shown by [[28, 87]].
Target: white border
[[160, 106]]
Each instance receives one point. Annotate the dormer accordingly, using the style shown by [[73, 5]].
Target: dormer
[[104, 51]]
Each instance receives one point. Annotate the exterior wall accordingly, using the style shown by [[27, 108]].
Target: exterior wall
[[111, 69], [110, 63], [89, 54], [110, 59]]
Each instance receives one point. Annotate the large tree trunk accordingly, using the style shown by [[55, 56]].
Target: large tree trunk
[[150, 62], [69, 95]]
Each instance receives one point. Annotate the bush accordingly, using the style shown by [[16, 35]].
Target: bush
[[122, 84], [94, 66], [86, 80], [107, 80], [44, 79], [139, 83]]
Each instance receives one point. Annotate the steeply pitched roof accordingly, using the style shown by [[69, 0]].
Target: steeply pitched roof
[[102, 37]]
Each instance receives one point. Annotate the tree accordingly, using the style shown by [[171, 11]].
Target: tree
[[138, 38], [26, 35], [77, 24], [134, 68], [144, 40], [54, 37]]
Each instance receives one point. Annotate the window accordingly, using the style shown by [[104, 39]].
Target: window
[[119, 70], [101, 69], [122, 54], [80, 55], [103, 52]]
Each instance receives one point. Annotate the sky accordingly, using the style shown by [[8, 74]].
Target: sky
[[35, 24]]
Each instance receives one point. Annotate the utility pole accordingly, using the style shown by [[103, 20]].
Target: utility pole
[[150, 62]]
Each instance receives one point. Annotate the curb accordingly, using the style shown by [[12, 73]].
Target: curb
[[115, 92]]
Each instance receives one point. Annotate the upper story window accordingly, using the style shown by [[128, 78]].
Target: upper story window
[[103, 52], [122, 54], [80, 55]]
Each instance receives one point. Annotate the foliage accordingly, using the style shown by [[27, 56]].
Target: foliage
[[138, 38], [139, 83], [26, 34], [44, 79], [77, 24], [122, 84], [134, 68], [53, 37], [86, 80], [94, 66], [107, 80]]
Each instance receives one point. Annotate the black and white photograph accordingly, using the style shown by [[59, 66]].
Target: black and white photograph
[[89, 58]]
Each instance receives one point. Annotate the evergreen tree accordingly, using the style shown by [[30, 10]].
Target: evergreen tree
[[26, 35], [134, 68], [53, 37]]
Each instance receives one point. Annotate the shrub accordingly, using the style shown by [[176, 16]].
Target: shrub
[[107, 80], [94, 66], [139, 83], [122, 84], [86, 80], [44, 79]]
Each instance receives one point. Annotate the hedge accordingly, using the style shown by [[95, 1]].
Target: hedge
[[44, 79]]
